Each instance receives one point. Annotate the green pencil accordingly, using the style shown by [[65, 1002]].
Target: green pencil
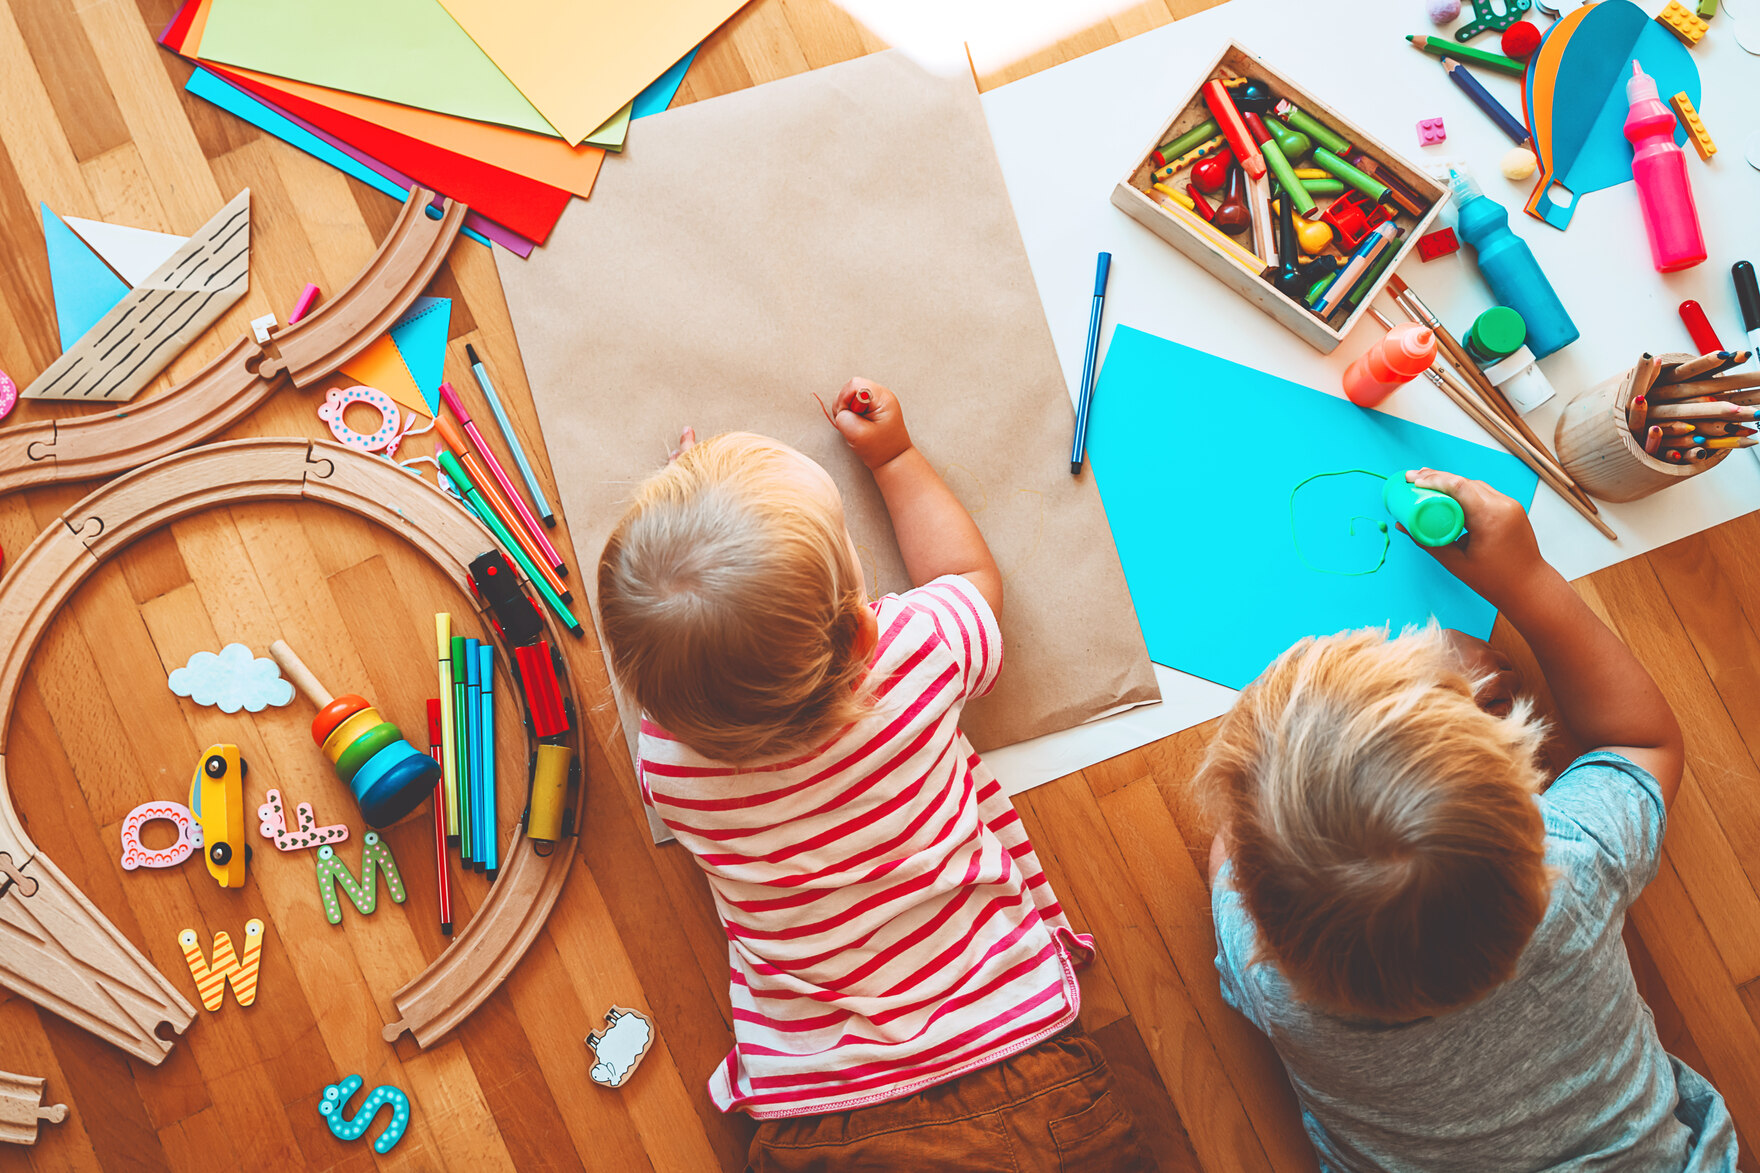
[[1442, 47]]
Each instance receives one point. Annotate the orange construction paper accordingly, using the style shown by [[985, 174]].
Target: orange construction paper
[[579, 62], [381, 367], [536, 156]]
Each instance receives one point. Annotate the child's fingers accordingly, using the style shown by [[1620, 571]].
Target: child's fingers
[[687, 440]]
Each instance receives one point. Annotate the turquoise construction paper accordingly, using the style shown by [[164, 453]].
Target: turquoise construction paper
[[1197, 460], [659, 94], [85, 288], [210, 88], [420, 337]]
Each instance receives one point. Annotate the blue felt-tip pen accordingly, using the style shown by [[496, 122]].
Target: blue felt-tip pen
[[539, 502], [1102, 269], [486, 693]]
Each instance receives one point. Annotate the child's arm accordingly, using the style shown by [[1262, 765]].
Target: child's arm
[[935, 533], [1605, 697]]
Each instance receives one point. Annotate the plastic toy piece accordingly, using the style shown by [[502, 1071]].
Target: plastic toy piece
[[1491, 16], [216, 799], [273, 825], [65, 956], [211, 980], [262, 327], [8, 395], [1437, 244], [308, 297], [1211, 172], [1696, 132], [336, 401], [244, 375], [21, 1109], [1348, 219], [333, 1108], [619, 1048], [231, 680], [1430, 130], [135, 854], [1678, 19], [155, 320], [364, 893]]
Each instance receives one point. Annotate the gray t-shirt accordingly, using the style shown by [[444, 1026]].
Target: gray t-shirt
[[1558, 1069]]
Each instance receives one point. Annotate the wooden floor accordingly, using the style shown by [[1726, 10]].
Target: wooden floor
[[93, 122]]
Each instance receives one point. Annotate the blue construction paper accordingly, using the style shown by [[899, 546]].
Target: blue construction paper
[[1204, 525], [85, 287], [659, 94], [210, 88], [1589, 147], [420, 337]]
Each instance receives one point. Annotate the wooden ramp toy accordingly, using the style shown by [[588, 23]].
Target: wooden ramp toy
[[388, 775], [21, 1109]]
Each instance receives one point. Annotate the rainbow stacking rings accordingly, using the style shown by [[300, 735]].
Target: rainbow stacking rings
[[388, 775]]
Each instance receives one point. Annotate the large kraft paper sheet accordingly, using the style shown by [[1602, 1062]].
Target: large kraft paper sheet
[[753, 249]]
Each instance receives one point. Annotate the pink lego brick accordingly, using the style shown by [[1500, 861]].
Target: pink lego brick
[[1430, 130]]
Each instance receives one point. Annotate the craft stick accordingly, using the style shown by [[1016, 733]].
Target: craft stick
[[550, 557], [1714, 363], [1407, 298], [299, 675], [1717, 385], [1703, 411], [1449, 384]]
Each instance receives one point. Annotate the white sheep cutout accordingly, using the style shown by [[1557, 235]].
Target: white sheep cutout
[[620, 1046]]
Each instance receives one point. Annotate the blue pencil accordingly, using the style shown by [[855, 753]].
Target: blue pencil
[[1481, 97], [473, 701], [491, 848], [1102, 269]]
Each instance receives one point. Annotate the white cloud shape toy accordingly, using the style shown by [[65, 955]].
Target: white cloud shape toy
[[232, 680]]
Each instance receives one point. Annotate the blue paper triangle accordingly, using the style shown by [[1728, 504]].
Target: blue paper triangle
[[420, 337], [658, 96], [85, 288]]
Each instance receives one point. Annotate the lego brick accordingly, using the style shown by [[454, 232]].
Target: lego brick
[[1683, 22], [1430, 130], [1701, 138], [1437, 244]]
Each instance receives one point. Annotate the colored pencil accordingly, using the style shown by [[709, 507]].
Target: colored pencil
[[473, 707], [1441, 47], [1637, 414], [463, 733], [448, 764], [1360, 260], [1731, 442], [547, 551], [1703, 411], [1085, 394], [1715, 385], [442, 881], [508, 434], [491, 836], [1714, 363], [1481, 97], [1653, 439]]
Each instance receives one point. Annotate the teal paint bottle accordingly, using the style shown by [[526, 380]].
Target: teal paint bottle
[[1432, 518], [1509, 267]]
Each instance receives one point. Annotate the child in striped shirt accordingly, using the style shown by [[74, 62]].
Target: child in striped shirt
[[903, 979]]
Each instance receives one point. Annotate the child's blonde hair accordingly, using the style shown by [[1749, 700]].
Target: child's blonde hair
[[731, 602], [1381, 826]]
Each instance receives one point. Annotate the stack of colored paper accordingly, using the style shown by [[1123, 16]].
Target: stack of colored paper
[[506, 105]]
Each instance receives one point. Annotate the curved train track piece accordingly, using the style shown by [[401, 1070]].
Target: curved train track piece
[[59, 951], [21, 1108], [83, 448]]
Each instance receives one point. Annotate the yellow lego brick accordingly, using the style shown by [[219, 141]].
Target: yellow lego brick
[[1683, 22], [1683, 106]]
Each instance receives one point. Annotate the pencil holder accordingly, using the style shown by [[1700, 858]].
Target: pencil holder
[[1598, 451]]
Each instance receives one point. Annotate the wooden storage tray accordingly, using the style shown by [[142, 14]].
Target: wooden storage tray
[[1129, 197]]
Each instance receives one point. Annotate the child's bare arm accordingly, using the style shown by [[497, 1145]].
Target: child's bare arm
[[935, 533], [1605, 697]]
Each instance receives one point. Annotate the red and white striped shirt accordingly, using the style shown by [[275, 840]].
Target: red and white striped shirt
[[888, 924]]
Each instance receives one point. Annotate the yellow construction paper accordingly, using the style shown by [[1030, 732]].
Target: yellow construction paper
[[578, 63], [381, 367]]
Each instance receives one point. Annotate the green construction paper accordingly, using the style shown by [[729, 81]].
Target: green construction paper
[[614, 131], [408, 51]]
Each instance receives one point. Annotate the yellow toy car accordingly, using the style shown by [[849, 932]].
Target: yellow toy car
[[216, 798]]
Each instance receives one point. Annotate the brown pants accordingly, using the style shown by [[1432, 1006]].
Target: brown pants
[[1048, 1109]]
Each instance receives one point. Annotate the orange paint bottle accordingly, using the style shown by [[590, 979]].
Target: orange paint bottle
[[1396, 360]]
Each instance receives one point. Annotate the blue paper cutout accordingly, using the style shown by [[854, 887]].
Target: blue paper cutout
[[85, 287], [232, 680], [420, 337], [659, 94], [1203, 528]]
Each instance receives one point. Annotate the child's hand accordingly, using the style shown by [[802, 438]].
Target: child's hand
[[877, 435], [687, 440], [1499, 557]]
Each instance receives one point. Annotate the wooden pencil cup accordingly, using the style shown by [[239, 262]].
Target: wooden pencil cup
[[1598, 451]]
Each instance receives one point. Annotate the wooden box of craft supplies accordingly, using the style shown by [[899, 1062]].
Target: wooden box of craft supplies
[[1351, 186], [1598, 449]]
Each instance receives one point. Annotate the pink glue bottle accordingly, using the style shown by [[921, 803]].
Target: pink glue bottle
[[1660, 168], [1390, 364]]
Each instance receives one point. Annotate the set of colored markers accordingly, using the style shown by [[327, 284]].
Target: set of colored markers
[[465, 745], [1690, 411], [1285, 196]]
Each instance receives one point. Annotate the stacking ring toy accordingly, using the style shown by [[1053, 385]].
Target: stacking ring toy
[[336, 402], [388, 775]]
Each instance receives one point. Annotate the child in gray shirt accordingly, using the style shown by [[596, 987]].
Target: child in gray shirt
[[1432, 945]]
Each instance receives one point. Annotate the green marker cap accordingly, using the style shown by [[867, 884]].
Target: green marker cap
[[1432, 518], [1496, 333]]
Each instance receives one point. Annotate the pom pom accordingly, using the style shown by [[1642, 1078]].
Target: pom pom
[[1519, 163], [1443, 11], [1520, 40]]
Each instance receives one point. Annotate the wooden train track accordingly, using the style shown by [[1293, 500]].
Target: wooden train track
[[22, 1110], [229, 388], [59, 951]]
